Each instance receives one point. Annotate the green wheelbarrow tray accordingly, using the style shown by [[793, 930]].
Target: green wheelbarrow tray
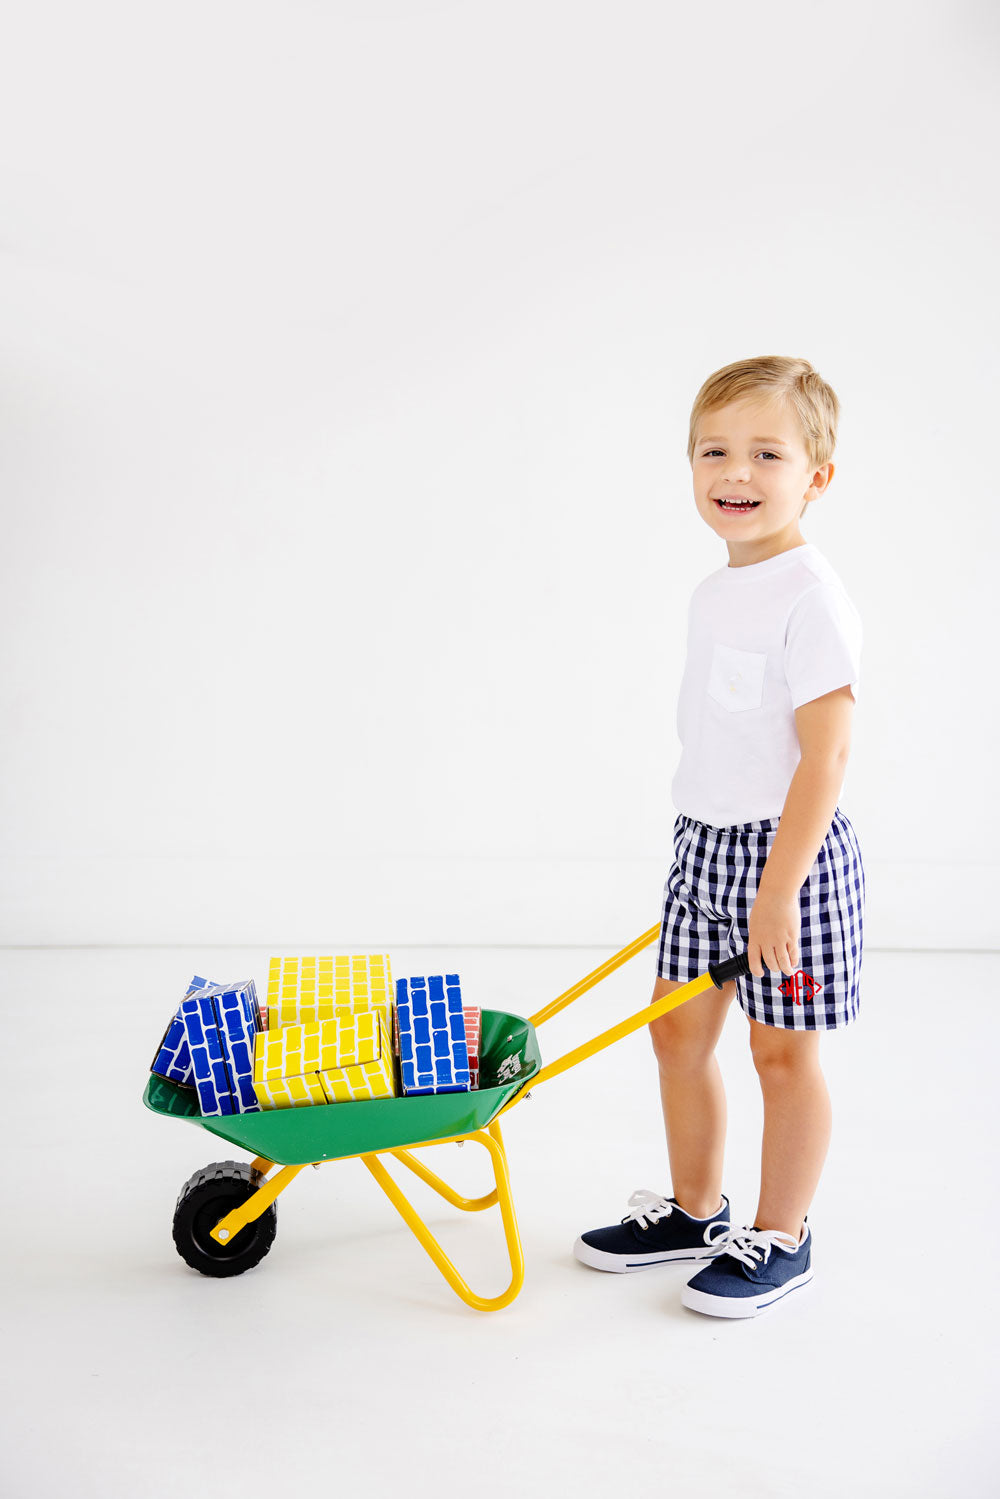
[[329, 1132], [225, 1218]]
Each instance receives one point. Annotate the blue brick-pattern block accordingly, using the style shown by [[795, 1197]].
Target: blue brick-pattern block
[[173, 1059], [211, 1076], [433, 1056], [221, 1021], [238, 1016]]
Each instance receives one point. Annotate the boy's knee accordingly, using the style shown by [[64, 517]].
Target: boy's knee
[[778, 1051], [676, 1051], [685, 1039]]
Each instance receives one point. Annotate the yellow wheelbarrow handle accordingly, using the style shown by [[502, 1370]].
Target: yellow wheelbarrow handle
[[716, 976]]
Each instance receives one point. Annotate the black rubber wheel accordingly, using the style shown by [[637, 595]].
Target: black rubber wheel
[[205, 1198]]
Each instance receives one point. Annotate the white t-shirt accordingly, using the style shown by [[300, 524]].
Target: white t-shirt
[[762, 640]]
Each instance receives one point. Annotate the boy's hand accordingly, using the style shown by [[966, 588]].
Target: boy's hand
[[773, 940]]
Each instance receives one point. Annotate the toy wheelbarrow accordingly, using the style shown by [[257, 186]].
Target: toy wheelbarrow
[[225, 1219]]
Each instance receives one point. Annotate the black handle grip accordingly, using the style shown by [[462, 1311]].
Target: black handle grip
[[730, 969]]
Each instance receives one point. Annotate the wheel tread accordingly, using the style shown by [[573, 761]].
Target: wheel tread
[[206, 1185]]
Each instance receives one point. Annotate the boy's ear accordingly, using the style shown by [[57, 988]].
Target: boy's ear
[[829, 470]]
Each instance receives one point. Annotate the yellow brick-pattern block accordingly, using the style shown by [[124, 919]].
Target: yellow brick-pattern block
[[273, 994], [289, 1092], [297, 1049], [373, 1076], [328, 1061], [302, 990], [357, 1037]]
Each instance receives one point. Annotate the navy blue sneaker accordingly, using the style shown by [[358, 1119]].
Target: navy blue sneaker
[[656, 1231], [756, 1268]]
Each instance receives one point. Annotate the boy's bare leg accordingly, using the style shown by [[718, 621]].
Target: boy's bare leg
[[798, 1122], [692, 1094]]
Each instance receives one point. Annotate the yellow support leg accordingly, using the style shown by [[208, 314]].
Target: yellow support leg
[[492, 1142], [467, 1204]]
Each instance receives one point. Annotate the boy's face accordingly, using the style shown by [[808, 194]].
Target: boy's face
[[732, 459]]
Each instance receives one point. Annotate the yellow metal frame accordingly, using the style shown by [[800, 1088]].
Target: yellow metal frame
[[490, 1138]]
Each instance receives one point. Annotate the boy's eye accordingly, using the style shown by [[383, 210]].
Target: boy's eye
[[765, 452]]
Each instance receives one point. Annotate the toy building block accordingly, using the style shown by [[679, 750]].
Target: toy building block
[[325, 1061], [273, 1006], [220, 1022], [286, 1066], [433, 1054], [239, 1023], [302, 990], [366, 1066], [209, 1065], [473, 1030], [290, 1092], [473, 1017], [173, 1055]]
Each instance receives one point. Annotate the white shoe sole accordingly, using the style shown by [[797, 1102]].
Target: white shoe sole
[[620, 1264], [740, 1306]]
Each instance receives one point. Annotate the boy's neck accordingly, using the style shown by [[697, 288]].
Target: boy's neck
[[740, 559]]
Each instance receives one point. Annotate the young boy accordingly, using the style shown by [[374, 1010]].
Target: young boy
[[765, 861]]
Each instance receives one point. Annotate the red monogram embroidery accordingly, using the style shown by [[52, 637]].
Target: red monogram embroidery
[[800, 982]]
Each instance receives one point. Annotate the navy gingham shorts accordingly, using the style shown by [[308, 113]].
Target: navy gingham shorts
[[707, 899]]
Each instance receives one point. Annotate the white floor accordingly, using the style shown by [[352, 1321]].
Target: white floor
[[345, 1363]]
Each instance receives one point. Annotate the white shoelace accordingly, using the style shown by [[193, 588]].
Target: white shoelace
[[751, 1245], [647, 1207], [746, 1244]]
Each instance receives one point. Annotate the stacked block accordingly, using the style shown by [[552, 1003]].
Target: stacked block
[[339, 1060], [331, 1032], [173, 1056], [365, 1062], [287, 1064], [220, 1023], [304, 990], [238, 1017], [433, 1053], [473, 1031], [473, 1017]]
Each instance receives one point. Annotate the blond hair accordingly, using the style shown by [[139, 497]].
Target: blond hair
[[772, 377]]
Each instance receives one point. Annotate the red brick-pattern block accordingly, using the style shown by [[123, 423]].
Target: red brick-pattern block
[[473, 1030]]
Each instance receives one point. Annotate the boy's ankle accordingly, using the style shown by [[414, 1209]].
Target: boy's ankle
[[696, 1209]]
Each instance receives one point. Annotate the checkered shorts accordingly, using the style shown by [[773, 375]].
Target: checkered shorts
[[707, 899]]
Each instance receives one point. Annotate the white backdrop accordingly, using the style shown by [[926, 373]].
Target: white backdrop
[[347, 357]]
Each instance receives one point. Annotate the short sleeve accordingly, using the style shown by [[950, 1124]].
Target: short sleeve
[[822, 644]]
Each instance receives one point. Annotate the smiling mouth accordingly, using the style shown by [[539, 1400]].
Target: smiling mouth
[[744, 507]]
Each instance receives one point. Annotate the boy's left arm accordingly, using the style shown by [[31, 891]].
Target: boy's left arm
[[824, 730]]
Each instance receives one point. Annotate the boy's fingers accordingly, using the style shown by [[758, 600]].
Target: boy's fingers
[[772, 960]]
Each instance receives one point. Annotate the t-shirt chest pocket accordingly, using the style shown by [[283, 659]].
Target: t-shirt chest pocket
[[736, 678]]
